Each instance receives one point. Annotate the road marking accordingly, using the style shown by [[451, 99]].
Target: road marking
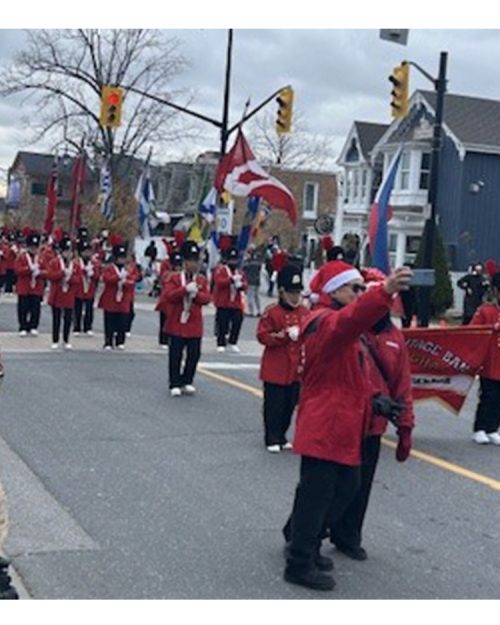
[[235, 366], [442, 464]]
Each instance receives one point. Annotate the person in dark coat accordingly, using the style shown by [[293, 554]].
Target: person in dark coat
[[476, 285]]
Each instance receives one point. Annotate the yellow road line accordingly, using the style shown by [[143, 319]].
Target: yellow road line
[[442, 464]]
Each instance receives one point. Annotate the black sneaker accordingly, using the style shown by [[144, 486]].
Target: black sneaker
[[322, 563], [311, 578], [356, 553]]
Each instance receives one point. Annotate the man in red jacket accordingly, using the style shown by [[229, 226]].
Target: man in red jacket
[[333, 408], [31, 276], [185, 293], [487, 419], [229, 285], [391, 378], [278, 330]]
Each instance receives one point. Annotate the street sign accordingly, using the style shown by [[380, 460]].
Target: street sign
[[225, 218], [396, 35]]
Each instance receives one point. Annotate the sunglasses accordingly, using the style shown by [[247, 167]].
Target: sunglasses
[[357, 288]]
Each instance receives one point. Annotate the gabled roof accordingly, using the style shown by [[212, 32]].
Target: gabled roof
[[368, 134]]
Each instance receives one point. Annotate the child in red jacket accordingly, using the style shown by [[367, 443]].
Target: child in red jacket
[[278, 330]]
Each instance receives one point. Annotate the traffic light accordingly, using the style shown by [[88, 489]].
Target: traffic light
[[111, 106], [400, 78], [285, 109]]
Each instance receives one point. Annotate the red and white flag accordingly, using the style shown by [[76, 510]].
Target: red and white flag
[[241, 175], [50, 211]]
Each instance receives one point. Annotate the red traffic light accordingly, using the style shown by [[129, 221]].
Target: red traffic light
[[113, 99]]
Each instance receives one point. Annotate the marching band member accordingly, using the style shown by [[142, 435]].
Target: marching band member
[[64, 274], [174, 266], [85, 295], [134, 269], [31, 276], [186, 292], [229, 284], [114, 300]]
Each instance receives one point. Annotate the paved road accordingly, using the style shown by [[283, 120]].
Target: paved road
[[117, 490]]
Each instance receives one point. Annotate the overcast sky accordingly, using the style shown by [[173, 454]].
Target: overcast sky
[[339, 75]]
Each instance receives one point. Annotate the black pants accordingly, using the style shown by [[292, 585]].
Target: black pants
[[279, 404], [162, 336], [321, 483], [179, 375], [488, 409], [67, 314], [115, 324], [229, 321], [28, 311], [346, 528], [84, 308], [130, 318], [10, 280], [2, 282]]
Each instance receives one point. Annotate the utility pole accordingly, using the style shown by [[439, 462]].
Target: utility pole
[[227, 90]]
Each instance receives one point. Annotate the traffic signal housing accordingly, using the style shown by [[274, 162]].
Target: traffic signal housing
[[111, 106], [285, 110], [400, 80]]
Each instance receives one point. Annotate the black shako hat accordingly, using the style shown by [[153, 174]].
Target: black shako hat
[[176, 259], [119, 251], [33, 240], [190, 250], [290, 279]]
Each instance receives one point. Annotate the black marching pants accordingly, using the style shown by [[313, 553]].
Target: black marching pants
[[229, 321], [57, 314], [28, 311], [488, 408], [130, 318], [84, 308], [10, 280], [321, 481], [178, 375], [279, 404], [115, 324], [162, 336], [346, 529]]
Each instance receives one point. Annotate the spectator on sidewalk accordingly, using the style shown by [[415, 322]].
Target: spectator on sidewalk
[[475, 284]]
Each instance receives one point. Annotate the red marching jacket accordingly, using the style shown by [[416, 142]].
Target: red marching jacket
[[336, 389], [162, 305], [395, 381], [3, 258], [63, 290], [225, 293], [281, 357], [11, 255], [27, 284], [489, 314], [115, 297], [184, 317], [91, 272]]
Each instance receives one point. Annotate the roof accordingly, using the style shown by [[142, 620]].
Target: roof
[[474, 121], [369, 133]]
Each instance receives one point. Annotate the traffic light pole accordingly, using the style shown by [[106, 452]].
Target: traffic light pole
[[431, 222]]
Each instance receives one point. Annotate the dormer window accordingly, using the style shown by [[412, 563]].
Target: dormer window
[[352, 155]]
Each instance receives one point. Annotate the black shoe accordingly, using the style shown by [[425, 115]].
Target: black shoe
[[322, 563], [356, 553], [310, 578]]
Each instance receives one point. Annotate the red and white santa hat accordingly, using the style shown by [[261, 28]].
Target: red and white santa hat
[[333, 275]]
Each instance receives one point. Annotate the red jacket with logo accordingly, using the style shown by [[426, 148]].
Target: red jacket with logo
[[225, 293], [336, 390], [115, 296], [26, 283], [281, 357], [185, 320], [489, 314], [62, 292]]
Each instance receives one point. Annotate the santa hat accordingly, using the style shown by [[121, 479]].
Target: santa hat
[[333, 275]]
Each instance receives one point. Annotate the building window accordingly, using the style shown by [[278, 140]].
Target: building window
[[404, 171], [348, 186], [425, 168], [311, 190], [393, 242], [38, 188], [364, 184], [355, 190]]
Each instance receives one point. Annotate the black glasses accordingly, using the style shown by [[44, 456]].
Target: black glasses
[[358, 288]]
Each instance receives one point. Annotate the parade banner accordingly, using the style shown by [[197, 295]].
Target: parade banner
[[445, 361]]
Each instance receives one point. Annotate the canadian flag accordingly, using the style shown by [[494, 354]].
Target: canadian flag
[[241, 175]]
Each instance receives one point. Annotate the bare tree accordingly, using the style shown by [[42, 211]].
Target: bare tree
[[296, 150], [64, 71]]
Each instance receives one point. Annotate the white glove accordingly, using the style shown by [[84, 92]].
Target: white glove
[[293, 332], [90, 270], [192, 288], [237, 282], [123, 273], [35, 271]]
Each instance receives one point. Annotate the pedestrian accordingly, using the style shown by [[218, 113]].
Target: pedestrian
[[278, 330], [487, 419], [31, 276], [151, 252], [64, 275], [391, 379], [174, 266], [134, 268], [229, 285], [114, 300], [333, 404], [252, 268], [186, 292], [475, 284], [90, 269]]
